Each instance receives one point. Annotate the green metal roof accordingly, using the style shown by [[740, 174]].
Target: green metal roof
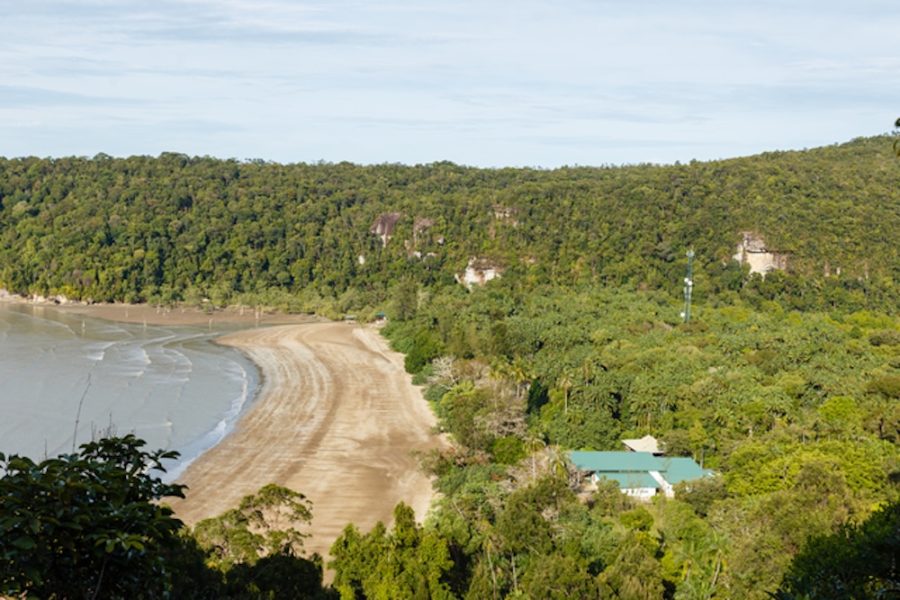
[[615, 461], [632, 469], [682, 468]]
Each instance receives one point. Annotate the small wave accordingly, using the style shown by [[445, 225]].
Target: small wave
[[145, 357], [228, 420], [181, 363], [132, 354], [223, 427], [240, 373], [97, 351]]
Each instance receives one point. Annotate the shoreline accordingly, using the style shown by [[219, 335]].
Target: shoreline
[[154, 411], [336, 418], [157, 314]]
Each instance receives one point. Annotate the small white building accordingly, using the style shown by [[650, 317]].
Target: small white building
[[647, 443]]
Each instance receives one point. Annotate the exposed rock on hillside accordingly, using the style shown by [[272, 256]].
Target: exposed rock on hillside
[[420, 226], [384, 226], [752, 250], [505, 213], [479, 271]]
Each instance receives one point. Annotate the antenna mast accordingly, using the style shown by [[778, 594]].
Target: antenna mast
[[688, 287]]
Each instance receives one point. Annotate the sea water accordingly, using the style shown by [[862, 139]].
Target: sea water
[[66, 379]]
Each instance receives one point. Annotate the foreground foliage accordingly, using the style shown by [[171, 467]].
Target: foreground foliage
[[859, 561], [84, 525], [91, 525], [406, 562]]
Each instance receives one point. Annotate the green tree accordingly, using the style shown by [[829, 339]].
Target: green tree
[[897, 137], [88, 524], [858, 561], [406, 300], [405, 563], [264, 524], [634, 575], [558, 577]]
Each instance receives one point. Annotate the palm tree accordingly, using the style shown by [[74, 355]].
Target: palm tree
[[521, 375], [534, 444], [565, 383]]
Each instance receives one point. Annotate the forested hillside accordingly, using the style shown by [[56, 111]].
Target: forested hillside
[[179, 228]]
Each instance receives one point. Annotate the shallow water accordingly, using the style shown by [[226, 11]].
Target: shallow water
[[65, 379]]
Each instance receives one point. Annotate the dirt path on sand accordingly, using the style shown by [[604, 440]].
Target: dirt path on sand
[[337, 419]]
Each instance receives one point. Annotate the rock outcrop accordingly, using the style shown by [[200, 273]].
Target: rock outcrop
[[478, 272], [384, 226], [420, 226], [505, 213], [752, 250]]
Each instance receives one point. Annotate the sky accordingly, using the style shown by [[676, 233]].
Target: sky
[[527, 83]]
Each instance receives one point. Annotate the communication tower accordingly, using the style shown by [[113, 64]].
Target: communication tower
[[688, 287]]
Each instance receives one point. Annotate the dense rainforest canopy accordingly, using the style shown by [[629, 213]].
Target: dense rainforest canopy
[[181, 228], [787, 386], [798, 413]]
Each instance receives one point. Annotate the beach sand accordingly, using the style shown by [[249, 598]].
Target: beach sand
[[337, 419]]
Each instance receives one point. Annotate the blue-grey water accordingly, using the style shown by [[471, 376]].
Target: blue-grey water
[[65, 379]]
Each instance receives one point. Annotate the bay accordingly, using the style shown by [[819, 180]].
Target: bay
[[66, 379]]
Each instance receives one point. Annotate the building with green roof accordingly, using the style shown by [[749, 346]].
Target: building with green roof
[[639, 474]]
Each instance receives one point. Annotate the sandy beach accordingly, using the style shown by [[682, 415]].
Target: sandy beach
[[337, 419]]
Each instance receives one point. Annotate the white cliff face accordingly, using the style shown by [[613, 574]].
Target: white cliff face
[[478, 272], [474, 276], [751, 250]]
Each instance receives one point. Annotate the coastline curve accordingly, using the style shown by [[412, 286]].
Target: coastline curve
[[336, 418]]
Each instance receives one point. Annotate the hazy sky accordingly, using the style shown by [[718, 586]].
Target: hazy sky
[[530, 82]]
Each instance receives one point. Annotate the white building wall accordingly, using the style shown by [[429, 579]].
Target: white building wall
[[640, 493]]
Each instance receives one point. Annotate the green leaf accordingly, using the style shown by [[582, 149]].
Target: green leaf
[[25, 543]]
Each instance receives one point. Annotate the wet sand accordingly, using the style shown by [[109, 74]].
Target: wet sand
[[181, 315], [337, 419], [154, 314]]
